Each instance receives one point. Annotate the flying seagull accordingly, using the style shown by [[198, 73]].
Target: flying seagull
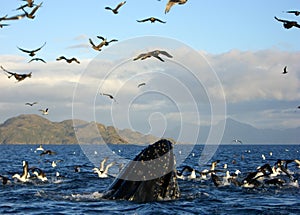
[[30, 104], [285, 70], [154, 53], [31, 52], [16, 17], [44, 112], [18, 77], [141, 84], [3, 25], [115, 10], [297, 13], [31, 14], [37, 59], [68, 60], [151, 19], [104, 42], [3, 18], [30, 3], [288, 24], [237, 141], [173, 2], [109, 95]]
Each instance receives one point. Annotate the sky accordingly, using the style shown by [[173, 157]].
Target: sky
[[228, 58]]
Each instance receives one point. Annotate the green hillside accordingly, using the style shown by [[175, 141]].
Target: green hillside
[[35, 129]]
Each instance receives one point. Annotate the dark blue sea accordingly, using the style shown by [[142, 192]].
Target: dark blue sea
[[79, 192]]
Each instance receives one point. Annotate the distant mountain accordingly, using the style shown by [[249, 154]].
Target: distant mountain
[[249, 134], [35, 129]]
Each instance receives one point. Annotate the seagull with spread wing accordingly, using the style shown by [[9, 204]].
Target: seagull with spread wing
[[70, 60], [31, 52], [30, 3], [151, 19], [141, 84], [37, 59], [288, 24], [115, 10], [104, 42], [44, 112], [18, 77], [296, 12], [154, 53], [173, 2], [30, 104], [31, 14], [109, 95]]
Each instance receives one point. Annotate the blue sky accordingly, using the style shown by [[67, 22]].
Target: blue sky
[[211, 26], [243, 43]]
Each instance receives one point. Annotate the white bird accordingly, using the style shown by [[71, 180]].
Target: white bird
[[103, 171], [54, 163], [25, 174], [40, 174], [44, 112], [40, 148]]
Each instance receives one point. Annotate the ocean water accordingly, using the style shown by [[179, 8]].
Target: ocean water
[[80, 192]]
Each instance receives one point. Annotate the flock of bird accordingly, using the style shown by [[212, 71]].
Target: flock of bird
[[280, 174], [96, 46], [29, 174], [266, 175]]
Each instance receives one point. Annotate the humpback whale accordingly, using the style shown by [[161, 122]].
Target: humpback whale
[[150, 176]]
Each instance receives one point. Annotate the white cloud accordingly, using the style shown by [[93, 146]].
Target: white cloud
[[180, 88]]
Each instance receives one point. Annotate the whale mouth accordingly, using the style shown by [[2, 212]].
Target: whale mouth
[[150, 176]]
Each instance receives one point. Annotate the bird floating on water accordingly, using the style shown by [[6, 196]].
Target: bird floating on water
[[154, 53], [48, 152], [173, 2], [151, 19], [18, 77], [288, 24], [32, 52], [4, 180], [102, 171], [40, 148], [25, 175], [70, 60], [39, 174], [115, 10]]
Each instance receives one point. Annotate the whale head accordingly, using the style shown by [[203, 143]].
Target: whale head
[[150, 176]]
